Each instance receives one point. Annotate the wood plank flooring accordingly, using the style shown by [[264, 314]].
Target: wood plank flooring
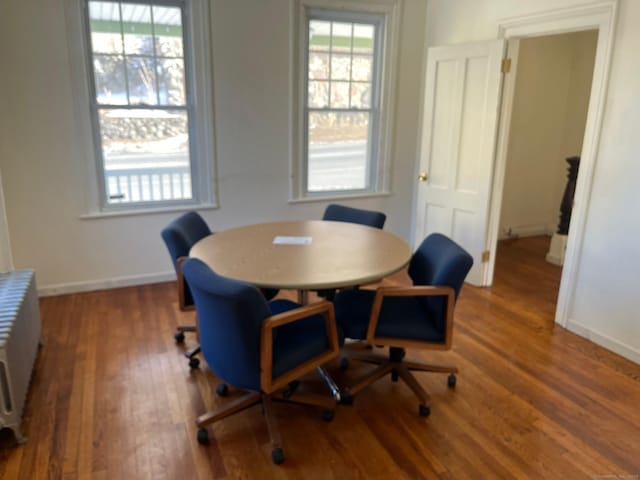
[[112, 397]]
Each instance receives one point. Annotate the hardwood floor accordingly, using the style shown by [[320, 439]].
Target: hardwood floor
[[113, 398]]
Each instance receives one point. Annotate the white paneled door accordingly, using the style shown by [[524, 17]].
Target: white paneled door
[[459, 128]]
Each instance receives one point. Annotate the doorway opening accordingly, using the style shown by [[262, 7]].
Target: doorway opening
[[552, 86]]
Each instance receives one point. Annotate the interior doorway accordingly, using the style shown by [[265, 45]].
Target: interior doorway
[[552, 86]]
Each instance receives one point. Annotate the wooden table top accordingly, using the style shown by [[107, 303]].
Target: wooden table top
[[340, 254]]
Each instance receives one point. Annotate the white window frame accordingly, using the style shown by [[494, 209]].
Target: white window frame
[[197, 48], [380, 146]]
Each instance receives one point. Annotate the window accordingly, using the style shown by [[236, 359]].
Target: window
[[143, 92], [343, 124]]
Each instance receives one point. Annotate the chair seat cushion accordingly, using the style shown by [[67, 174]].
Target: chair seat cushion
[[296, 342], [400, 317]]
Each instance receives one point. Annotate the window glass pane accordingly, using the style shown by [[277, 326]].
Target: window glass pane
[[104, 19], [361, 95], [341, 37], [168, 30], [142, 81], [146, 155], [318, 66], [137, 29], [318, 94], [338, 145], [106, 42], [363, 38], [110, 79], [171, 81], [340, 67], [339, 94], [319, 35], [362, 68]]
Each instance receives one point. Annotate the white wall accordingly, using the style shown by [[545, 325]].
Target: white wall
[[6, 260], [41, 159], [553, 83], [605, 304]]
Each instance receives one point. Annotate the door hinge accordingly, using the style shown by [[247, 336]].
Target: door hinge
[[506, 65], [485, 256]]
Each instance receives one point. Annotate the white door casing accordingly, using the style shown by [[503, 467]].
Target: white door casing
[[460, 122]]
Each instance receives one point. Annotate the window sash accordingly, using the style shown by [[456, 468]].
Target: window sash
[[188, 107], [374, 131]]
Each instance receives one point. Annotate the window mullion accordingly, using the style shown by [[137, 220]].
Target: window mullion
[[351, 63], [330, 63], [124, 56], [155, 54]]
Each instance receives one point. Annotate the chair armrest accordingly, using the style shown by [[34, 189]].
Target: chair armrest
[[181, 285], [417, 291], [324, 308]]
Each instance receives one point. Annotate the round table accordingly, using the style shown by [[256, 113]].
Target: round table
[[339, 254]]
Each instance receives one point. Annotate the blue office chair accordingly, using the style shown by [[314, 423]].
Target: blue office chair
[[179, 236], [420, 316], [259, 346], [340, 213]]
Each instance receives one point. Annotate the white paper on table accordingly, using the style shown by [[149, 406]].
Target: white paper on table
[[283, 240]]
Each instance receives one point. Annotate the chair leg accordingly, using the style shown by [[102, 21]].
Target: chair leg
[[193, 352], [181, 329], [428, 367], [305, 398], [362, 353], [335, 391], [277, 454], [238, 405], [370, 377], [413, 384], [186, 328]]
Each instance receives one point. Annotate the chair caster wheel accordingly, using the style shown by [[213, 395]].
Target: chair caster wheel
[[328, 415], [291, 388], [394, 375], [203, 436], [222, 389], [194, 363], [346, 398], [344, 364], [451, 381], [179, 336], [277, 456], [424, 411]]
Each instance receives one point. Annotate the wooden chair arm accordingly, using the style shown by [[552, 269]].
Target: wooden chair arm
[[181, 286], [416, 291], [324, 308]]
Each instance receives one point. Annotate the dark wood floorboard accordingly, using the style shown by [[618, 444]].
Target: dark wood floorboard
[[112, 397]]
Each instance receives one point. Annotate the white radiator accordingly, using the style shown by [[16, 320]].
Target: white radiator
[[19, 340]]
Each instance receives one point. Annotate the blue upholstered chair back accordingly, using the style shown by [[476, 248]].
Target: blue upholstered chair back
[[180, 235], [340, 213], [439, 261], [230, 314]]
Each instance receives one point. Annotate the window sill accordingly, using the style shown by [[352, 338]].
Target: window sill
[[147, 211], [337, 196]]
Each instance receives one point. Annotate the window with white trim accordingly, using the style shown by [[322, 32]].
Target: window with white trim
[[343, 142], [143, 103]]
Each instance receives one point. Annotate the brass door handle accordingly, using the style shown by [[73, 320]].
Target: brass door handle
[[423, 176]]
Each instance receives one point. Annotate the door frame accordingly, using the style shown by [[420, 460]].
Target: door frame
[[600, 16]]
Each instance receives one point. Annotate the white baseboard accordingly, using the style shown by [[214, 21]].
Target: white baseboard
[[104, 284], [605, 341], [527, 231]]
